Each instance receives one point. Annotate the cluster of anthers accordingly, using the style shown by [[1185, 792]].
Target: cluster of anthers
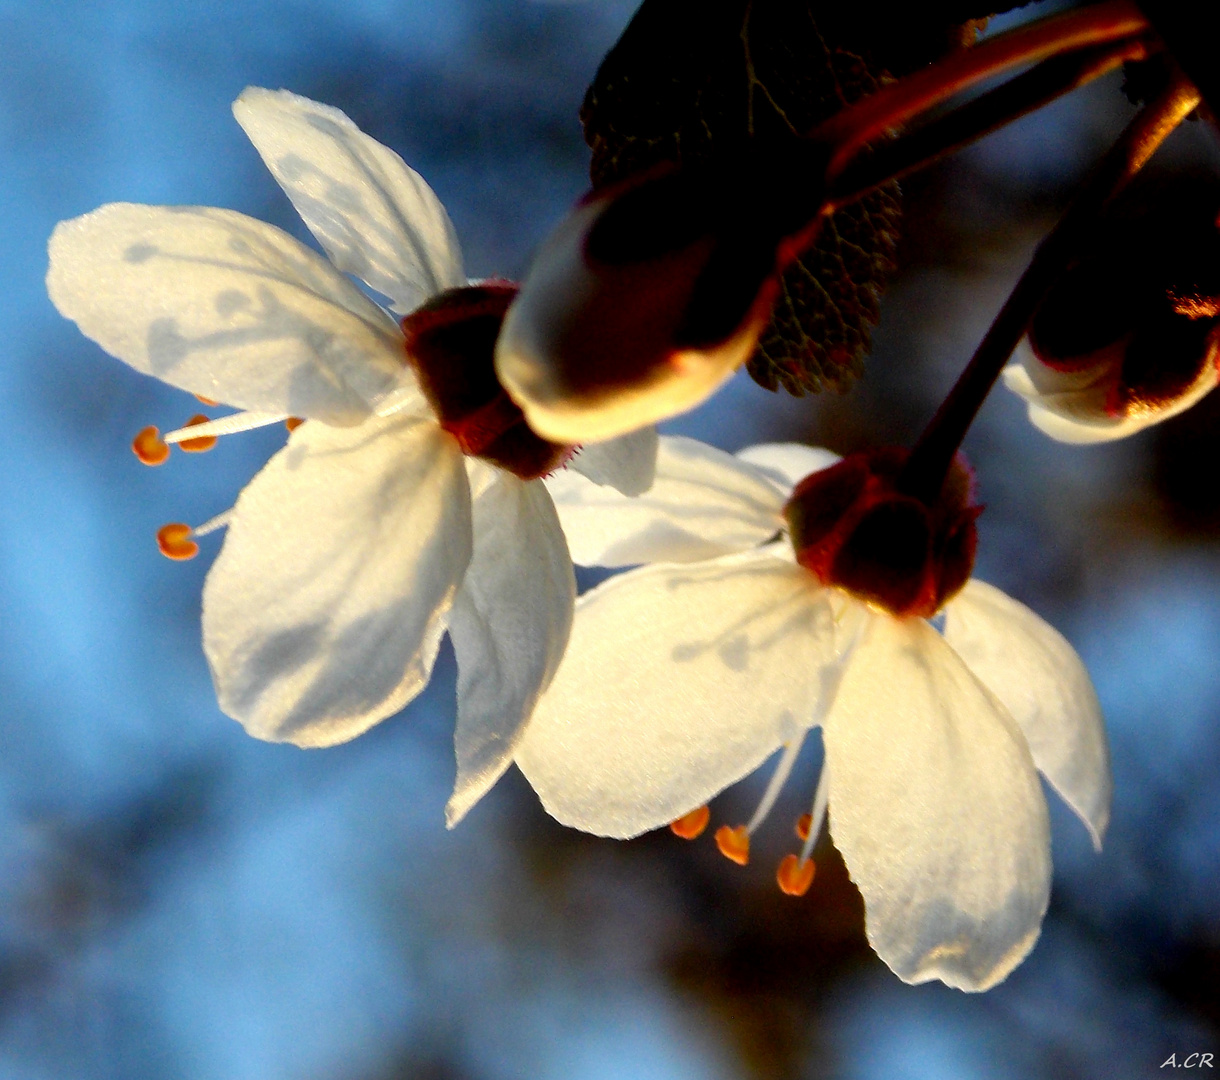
[[177, 540], [796, 871]]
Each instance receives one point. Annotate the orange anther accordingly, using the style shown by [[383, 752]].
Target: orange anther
[[148, 447], [795, 876], [803, 825], [688, 826], [197, 446], [293, 422], [206, 401], [734, 843], [175, 541]]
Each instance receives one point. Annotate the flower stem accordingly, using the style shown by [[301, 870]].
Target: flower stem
[[926, 468], [1024, 94], [851, 129], [1191, 30]]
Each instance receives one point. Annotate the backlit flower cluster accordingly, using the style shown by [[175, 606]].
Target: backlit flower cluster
[[449, 459]]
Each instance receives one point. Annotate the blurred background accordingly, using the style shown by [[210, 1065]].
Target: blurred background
[[181, 902]]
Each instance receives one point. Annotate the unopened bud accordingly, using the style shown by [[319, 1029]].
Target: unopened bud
[[652, 293], [1129, 334]]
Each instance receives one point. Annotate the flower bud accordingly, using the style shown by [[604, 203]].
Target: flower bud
[[450, 342], [853, 528], [1129, 335], [652, 293]]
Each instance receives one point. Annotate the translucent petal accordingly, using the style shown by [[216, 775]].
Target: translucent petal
[[324, 610], [628, 463], [937, 809], [228, 307], [509, 626], [703, 503], [1032, 669], [677, 682], [787, 464], [1070, 408], [374, 215]]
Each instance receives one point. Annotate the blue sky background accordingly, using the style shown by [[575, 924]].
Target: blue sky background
[[178, 900]]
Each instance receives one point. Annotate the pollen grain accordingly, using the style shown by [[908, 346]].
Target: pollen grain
[[175, 541], [148, 447], [197, 446], [734, 843], [688, 826], [795, 875]]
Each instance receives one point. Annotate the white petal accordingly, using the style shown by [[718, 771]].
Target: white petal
[[1070, 408], [628, 463], [677, 682], [1032, 669], [936, 807], [324, 610], [703, 503], [228, 307], [372, 213], [788, 463], [509, 626]]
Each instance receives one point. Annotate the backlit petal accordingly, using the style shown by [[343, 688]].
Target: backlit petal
[[937, 809], [324, 610], [374, 215], [627, 464], [788, 463], [509, 626], [1071, 407], [228, 307], [1032, 669], [677, 682], [703, 503]]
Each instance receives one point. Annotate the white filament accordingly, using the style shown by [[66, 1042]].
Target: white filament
[[212, 524], [817, 815], [226, 425], [782, 770]]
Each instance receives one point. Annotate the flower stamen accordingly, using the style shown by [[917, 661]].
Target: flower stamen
[[149, 447], [177, 540], [782, 771], [691, 825], [206, 401], [816, 817], [200, 427], [201, 443], [734, 843], [795, 875]]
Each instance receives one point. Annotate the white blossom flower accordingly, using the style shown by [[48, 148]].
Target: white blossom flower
[[377, 527], [684, 675]]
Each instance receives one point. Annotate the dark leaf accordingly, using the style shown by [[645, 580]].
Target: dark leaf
[[693, 80]]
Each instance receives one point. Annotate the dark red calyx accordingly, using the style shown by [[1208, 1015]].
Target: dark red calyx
[[852, 528], [450, 342], [1143, 298]]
